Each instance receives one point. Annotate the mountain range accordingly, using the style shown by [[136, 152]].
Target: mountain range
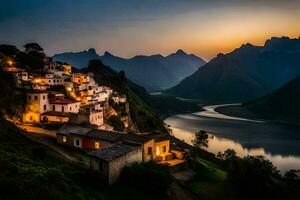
[[153, 72], [283, 104], [247, 73]]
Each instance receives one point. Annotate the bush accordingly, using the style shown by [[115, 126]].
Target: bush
[[255, 176], [39, 153], [150, 177]]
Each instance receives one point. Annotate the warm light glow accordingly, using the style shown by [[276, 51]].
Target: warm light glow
[[10, 62], [97, 145], [157, 151], [69, 89], [64, 138], [37, 80]]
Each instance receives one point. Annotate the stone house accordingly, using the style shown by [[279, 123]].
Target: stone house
[[110, 161]]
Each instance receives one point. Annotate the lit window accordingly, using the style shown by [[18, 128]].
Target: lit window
[[64, 139], [97, 145]]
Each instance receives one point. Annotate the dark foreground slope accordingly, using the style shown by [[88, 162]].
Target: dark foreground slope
[[245, 74]]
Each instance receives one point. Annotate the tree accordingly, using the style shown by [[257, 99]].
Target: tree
[[255, 176], [9, 50], [29, 47], [229, 154], [201, 139]]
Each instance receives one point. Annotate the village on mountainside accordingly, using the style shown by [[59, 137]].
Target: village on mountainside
[[78, 110]]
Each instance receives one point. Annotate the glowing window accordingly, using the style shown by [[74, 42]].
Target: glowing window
[[64, 138], [97, 145]]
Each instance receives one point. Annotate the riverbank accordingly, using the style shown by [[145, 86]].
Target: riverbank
[[238, 111], [211, 111], [278, 142]]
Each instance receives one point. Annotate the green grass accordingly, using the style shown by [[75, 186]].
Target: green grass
[[211, 182], [29, 170]]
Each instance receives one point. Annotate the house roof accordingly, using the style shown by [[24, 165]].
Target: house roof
[[110, 136], [73, 129], [61, 101], [113, 152], [54, 113], [41, 92], [158, 137], [133, 138]]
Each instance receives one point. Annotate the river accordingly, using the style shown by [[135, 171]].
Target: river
[[280, 143]]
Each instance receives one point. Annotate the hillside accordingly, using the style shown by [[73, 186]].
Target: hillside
[[283, 104], [280, 105], [152, 72], [245, 74], [144, 108]]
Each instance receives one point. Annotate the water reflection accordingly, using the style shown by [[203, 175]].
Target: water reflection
[[276, 143]]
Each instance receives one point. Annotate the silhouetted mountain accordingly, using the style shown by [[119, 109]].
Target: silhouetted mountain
[[245, 74], [77, 59], [154, 72], [283, 104]]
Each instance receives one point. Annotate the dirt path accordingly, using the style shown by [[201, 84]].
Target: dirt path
[[177, 192], [46, 137], [183, 175]]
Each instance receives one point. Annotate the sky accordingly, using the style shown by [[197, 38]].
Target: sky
[[144, 27]]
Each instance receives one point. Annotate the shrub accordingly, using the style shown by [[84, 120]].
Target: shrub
[[39, 153], [150, 177]]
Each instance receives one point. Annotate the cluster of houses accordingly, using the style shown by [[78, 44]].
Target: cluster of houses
[[82, 101], [110, 151], [80, 105]]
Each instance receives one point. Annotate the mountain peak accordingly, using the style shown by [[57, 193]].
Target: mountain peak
[[282, 43], [91, 51], [180, 52], [106, 53]]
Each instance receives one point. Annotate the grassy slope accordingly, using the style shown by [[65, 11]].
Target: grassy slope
[[29, 170], [211, 182]]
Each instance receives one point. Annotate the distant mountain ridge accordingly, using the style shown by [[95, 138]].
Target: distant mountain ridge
[[154, 72], [245, 74], [280, 105], [283, 104]]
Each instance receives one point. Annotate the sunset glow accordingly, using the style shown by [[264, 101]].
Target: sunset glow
[[150, 27]]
